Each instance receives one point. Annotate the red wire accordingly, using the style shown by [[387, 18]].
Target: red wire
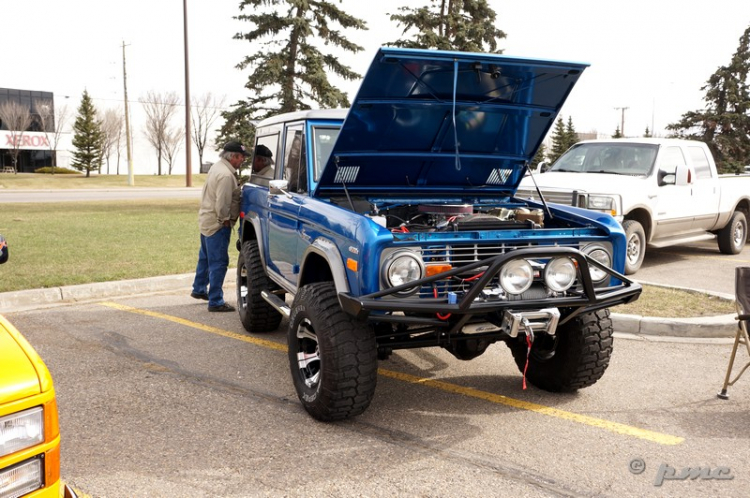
[[442, 317]]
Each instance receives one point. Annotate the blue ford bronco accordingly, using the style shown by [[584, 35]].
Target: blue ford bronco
[[394, 225]]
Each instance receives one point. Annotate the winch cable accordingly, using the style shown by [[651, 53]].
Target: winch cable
[[529, 342]]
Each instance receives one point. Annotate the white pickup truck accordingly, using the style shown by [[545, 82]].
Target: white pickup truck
[[663, 192]]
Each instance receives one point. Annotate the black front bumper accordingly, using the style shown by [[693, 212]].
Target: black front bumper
[[583, 299]]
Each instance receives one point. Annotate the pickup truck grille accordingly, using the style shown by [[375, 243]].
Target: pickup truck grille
[[566, 198]]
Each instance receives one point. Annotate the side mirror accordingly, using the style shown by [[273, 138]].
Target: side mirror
[[543, 167], [3, 250], [683, 175], [279, 187], [664, 178]]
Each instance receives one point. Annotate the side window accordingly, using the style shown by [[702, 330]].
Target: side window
[[263, 168], [670, 158], [323, 141], [700, 162], [295, 170]]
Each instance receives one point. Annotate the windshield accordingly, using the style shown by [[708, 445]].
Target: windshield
[[323, 140], [613, 158]]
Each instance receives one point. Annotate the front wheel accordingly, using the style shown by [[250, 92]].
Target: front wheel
[[332, 355], [575, 357], [636, 246], [256, 314], [732, 237]]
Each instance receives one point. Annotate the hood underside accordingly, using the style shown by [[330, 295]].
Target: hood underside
[[446, 123]]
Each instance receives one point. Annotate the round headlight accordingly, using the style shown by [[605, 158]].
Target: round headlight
[[559, 274], [603, 257], [516, 276], [402, 268]]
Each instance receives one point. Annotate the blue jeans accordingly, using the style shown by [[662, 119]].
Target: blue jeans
[[213, 261]]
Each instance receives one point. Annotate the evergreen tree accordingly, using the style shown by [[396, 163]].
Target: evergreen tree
[[617, 134], [559, 141], [647, 133], [724, 125], [291, 71], [87, 137], [571, 136], [540, 156], [465, 25], [237, 126]]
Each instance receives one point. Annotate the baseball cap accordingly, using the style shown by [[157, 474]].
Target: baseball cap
[[236, 147], [263, 151]]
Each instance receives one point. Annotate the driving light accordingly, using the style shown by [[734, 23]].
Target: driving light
[[21, 430], [516, 276], [559, 274], [403, 267], [600, 256], [22, 478]]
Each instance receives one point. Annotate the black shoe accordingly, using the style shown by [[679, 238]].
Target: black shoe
[[221, 308], [196, 295]]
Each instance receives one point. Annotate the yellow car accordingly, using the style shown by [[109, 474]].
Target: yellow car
[[29, 432]]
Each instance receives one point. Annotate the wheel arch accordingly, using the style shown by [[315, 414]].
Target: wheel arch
[[322, 262], [642, 216]]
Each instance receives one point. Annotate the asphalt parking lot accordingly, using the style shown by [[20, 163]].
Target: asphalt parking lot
[[158, 397]]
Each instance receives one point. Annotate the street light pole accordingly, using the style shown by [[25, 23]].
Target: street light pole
[[188, 141]]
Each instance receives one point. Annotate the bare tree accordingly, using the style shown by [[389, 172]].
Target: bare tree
[[112, 123], [51, 121], [172, 142], [160, 108], [206, 108], [17, 118]]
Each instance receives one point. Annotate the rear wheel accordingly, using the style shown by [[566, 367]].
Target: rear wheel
[[256, 314], [732, 237], [332, 356], [636, 246], [576, 357]]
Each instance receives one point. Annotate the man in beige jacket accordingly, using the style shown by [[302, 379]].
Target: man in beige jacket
[[216, 216]]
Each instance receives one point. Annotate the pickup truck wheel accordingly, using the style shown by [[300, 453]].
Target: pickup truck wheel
[[332, 356], [636, 246], [576, 357], [732, 237], [256, 314]]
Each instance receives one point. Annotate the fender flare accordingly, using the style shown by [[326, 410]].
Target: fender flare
[[326, 249]]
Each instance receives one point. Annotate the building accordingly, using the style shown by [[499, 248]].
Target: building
[[32, 145]]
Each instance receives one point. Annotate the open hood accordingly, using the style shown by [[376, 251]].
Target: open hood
[[446, 123]]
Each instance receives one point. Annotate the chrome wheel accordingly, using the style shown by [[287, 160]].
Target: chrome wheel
[[308, 354]]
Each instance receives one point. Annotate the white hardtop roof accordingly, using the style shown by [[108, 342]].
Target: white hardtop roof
[[643, 140], [338, 114]]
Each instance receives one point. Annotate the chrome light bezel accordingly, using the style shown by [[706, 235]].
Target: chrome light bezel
[[556, 266], [509, 272], [598, 253], [399, 257]]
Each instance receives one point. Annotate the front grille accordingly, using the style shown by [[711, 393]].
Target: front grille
[[566, 198]]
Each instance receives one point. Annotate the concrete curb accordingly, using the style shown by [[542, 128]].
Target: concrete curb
[[722, 326]]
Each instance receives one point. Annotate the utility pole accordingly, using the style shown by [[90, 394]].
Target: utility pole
[[188, 141], [131, 179], [622, 119]]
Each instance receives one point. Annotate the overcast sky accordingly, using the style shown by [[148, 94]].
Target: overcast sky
[[651, 56]]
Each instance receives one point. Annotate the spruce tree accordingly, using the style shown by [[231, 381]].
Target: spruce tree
[[465, 25], [559, 141], [724, 125], [540, 156], [571, 136], [87, 137], [291, 71], [618, 133]]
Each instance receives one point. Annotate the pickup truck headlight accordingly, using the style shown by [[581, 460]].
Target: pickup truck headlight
[[516, 276], [21, 430], [559, 274], [23, 478], [602, 203], [401, 268]]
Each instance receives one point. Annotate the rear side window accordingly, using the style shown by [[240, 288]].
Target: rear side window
[[700, 162]]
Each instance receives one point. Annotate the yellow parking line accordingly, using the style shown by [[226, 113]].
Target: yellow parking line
[[615, 427]]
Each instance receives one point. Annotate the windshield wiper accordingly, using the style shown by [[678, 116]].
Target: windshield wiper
[[608, 172]]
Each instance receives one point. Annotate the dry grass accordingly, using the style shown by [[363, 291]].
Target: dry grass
[[674, 303], [33, 181]]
